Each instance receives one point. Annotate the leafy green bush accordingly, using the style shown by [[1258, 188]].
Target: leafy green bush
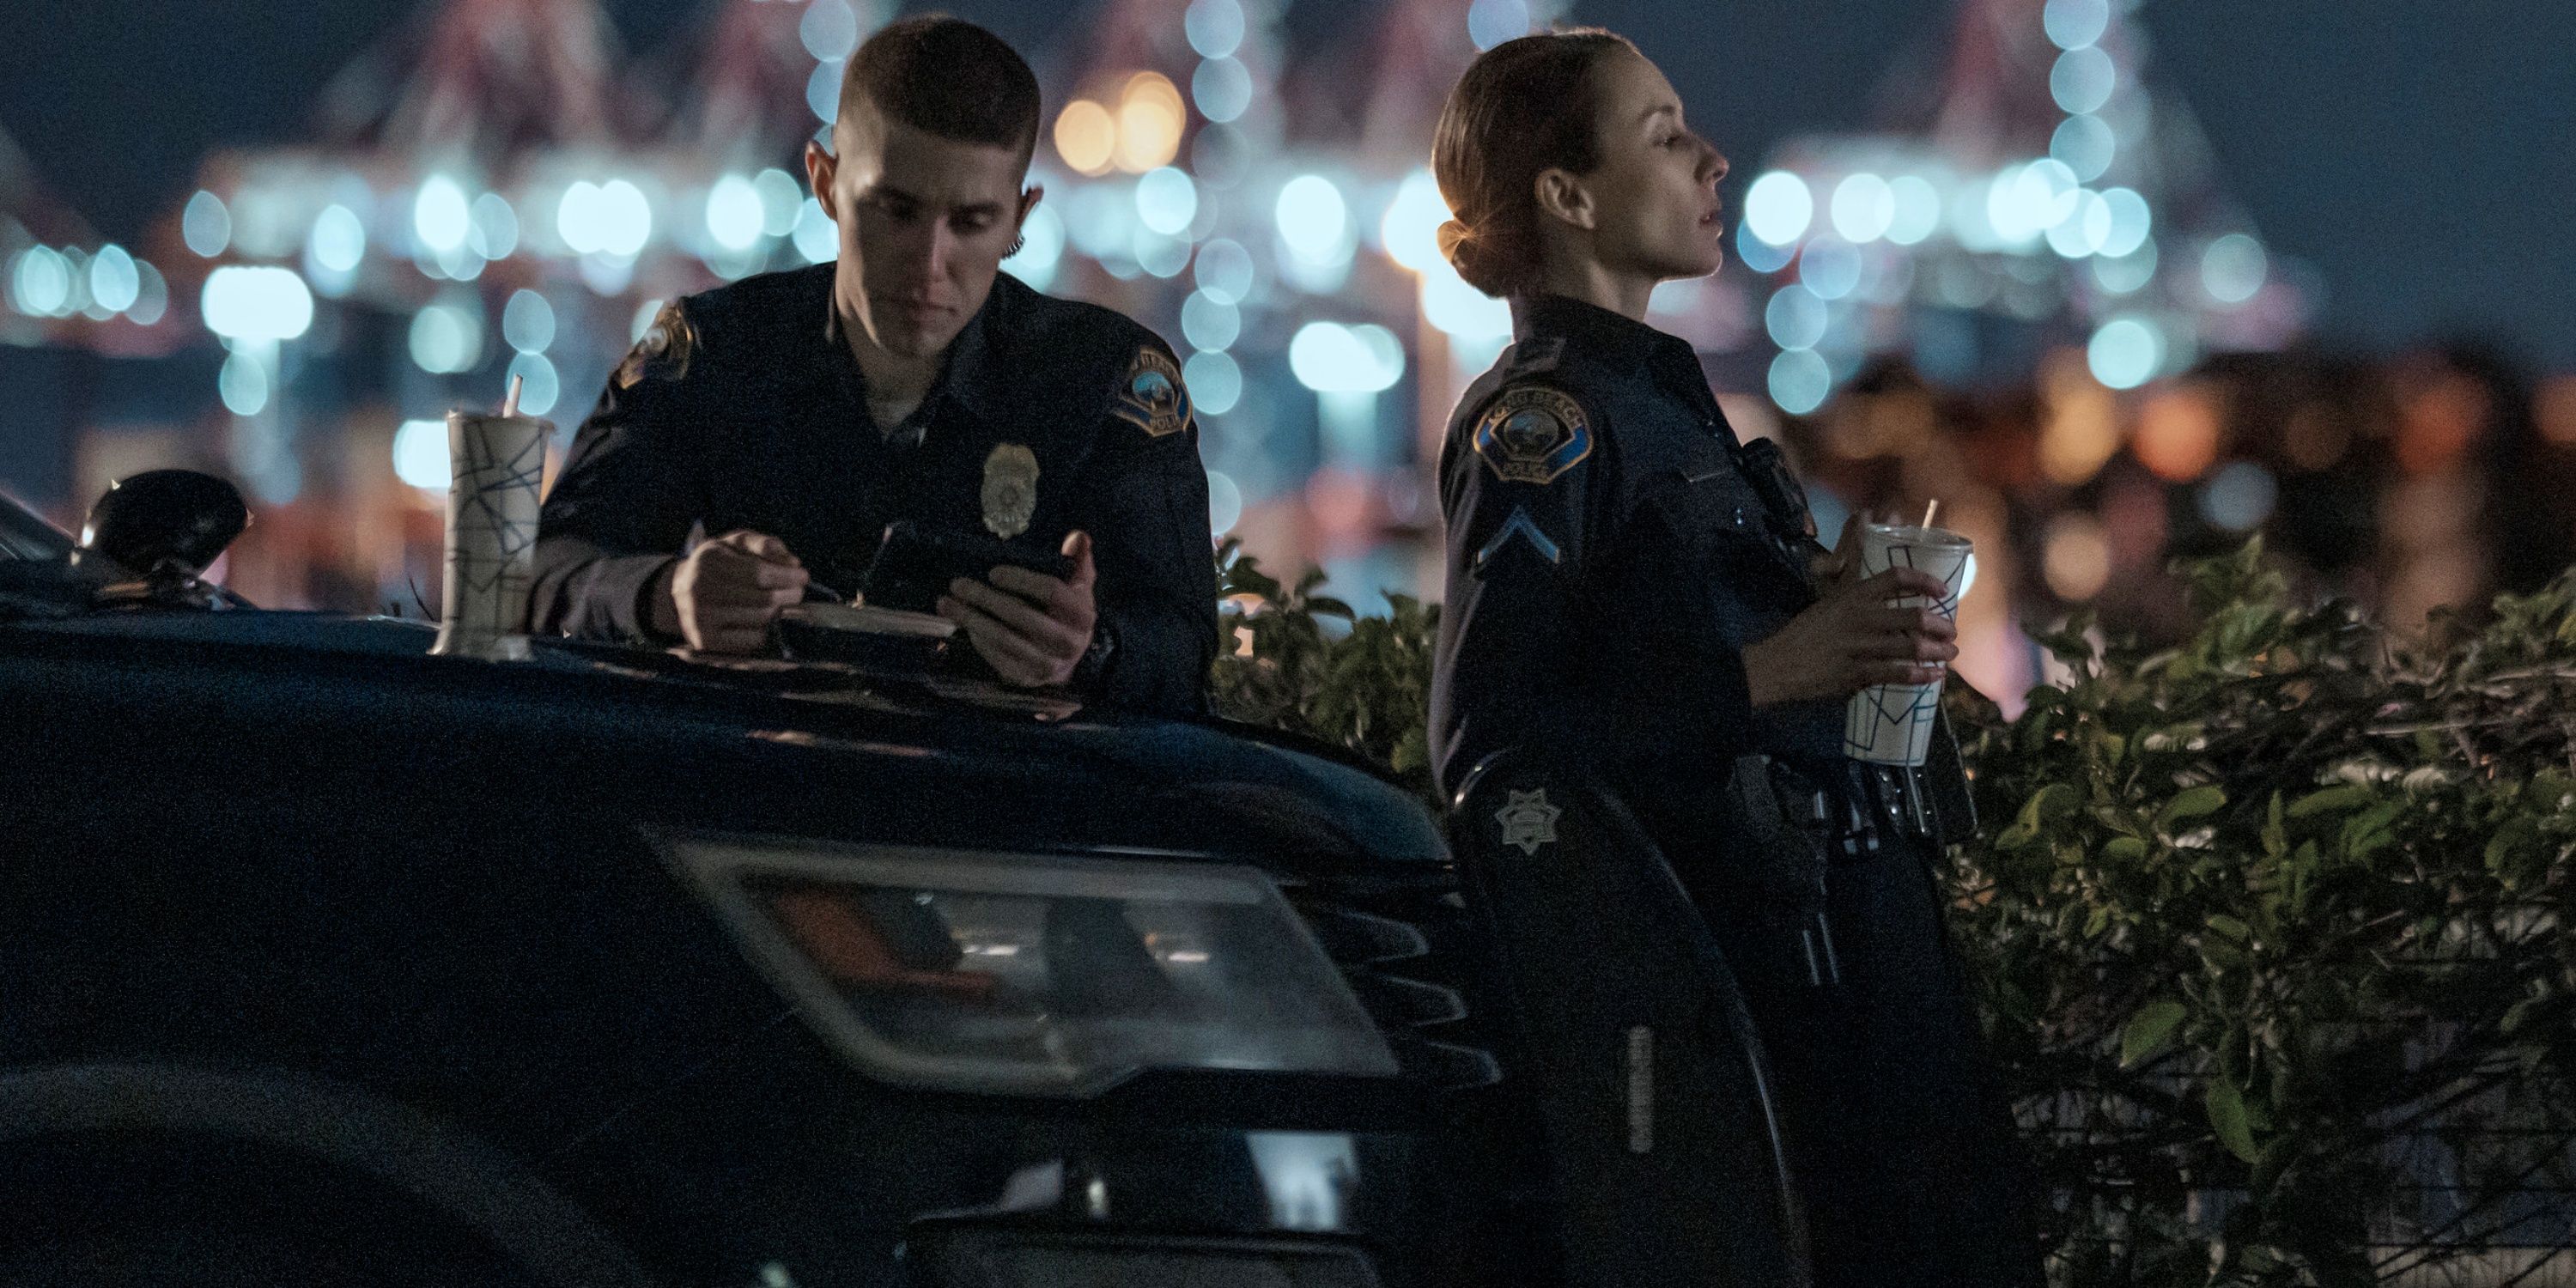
[[2271, 939]]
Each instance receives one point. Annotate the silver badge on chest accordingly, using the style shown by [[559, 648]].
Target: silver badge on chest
[[1010, 490]]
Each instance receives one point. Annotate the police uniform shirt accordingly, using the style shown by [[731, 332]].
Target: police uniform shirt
[[1610, 555], [743, 408]]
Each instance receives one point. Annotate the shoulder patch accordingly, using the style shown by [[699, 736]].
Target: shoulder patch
[[1532, 434], [663, 353], [1151, 396]]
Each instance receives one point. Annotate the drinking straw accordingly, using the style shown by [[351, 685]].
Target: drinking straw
[[1928, 511], [510, 401]]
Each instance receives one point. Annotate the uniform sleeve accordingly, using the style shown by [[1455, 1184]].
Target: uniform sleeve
[[629, 492], [1540, 571], [1145, 504]]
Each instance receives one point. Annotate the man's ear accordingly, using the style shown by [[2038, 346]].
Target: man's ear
[[820, 166], [1565, 197], [1029, 199]]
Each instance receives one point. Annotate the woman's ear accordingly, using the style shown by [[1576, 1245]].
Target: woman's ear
[[1563, 196]]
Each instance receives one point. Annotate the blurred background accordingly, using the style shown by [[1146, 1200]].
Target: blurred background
[[2114, 280]]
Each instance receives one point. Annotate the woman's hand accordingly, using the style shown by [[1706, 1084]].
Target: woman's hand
[[1853, 638]]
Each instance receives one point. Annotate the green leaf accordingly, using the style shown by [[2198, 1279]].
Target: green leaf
[[2333, 800], [2124, 849], [2226, 1107], [2149, 1031], [2191, 803], [2230, 927], [2276, 834]]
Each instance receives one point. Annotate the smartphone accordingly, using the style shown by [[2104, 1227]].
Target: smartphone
[[913, 568]]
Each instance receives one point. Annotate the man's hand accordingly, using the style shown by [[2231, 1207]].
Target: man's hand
[[723, 595], [1032, 628], [1853, 638]]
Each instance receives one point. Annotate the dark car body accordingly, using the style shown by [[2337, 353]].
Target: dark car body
[[302, 927]]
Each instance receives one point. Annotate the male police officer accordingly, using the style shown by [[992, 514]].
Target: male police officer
[[792, 416]]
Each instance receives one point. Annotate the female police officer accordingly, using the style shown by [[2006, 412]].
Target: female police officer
[[1632, 590]]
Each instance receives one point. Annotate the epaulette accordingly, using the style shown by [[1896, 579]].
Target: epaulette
[[1535, 356]]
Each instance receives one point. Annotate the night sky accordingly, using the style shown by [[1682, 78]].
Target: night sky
[[2419, 155]]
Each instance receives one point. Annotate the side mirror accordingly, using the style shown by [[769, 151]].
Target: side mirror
[[164, 523]]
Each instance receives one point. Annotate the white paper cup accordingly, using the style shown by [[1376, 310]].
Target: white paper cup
[[1891, 724], [497, 463]]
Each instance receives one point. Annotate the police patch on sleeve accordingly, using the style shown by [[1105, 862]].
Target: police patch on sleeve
[[1151, 397], [1532, 434], [663, 353]]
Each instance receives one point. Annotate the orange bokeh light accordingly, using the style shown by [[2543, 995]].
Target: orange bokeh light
[[2178, 432]]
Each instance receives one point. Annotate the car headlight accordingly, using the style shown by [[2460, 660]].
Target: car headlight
[[1034, 974]]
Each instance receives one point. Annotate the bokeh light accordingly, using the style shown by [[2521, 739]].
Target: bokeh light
[[447, 338], [420, 454], [1795, 317], [735, 218], [1086, 136], [1166, 201], [1222, 87], [439, 214], [242, 383], [1759, 255], [2082, 80], [1225, 502], [2178, 434], [1918, 209], [1778, 207], [779, 193], [1313, 220], [2125, 352], [1150, 119], [1215, 382], [1041, 248], [539, 386], [2239, 497], [1330, 358], [528, 322], [1209, 323], [2075, 24], [1459, 310], [113, 281], [1863, 208], [1491, 22], [1799, 381], [2233, 268], [1225, 271], [1830, 268], [256, 303], [817, 238], [2075, 557], [339, 240], [829, 30], [1214, 27], [1411, 228], [206, 225], [823, 91], [493, 230], [2086, 145]]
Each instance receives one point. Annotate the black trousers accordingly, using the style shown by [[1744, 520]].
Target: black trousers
[[1898, 1132]]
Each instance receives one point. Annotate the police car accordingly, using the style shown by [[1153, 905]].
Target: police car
[[324, 960]]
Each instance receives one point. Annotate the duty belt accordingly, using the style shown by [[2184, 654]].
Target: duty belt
[[1857, 815]]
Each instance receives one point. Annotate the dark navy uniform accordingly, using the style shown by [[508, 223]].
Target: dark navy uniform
[[1612, 548], [744, 408]]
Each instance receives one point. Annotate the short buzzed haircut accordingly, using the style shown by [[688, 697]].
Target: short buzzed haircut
[[949, 77]]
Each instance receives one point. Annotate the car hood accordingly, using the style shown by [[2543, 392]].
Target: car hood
[[1089, 778]]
